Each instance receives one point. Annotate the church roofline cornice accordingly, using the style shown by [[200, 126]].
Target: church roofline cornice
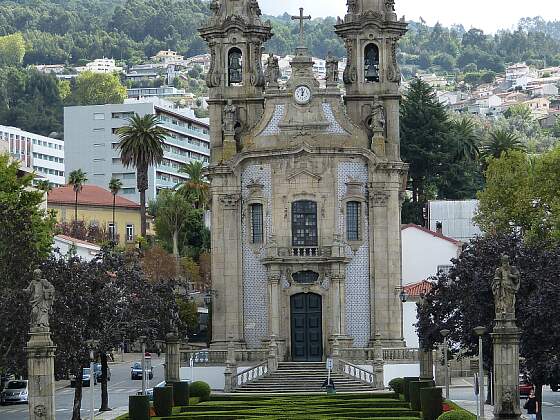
[[398, 28]]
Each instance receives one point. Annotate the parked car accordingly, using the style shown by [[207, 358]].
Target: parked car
[[15, 391], [525, 386], [97, 370], [86, 378], [136, 371], [150, 391]]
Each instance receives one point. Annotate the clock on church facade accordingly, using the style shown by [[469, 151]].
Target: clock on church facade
[[306, 186]]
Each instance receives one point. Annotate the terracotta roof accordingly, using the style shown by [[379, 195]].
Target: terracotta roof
[[435, 234], [418, 289], [90, 195]]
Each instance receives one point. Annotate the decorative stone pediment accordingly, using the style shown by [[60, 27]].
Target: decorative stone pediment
[[255, 189]]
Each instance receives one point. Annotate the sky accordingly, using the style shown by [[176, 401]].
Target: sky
[[489, 15]]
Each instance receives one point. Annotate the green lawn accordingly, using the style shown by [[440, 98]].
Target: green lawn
[[345, 406]]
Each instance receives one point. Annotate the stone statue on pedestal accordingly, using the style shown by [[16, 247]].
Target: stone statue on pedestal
[[272, 72], [504, 287], [42, 298], [377, 116], [230, 116], [332, 69]]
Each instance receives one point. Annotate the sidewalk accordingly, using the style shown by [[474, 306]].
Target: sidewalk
[[113, 414]]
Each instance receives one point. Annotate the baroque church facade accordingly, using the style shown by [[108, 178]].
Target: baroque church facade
[[306, 186]]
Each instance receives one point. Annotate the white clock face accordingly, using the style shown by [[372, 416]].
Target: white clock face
[[302, 95]]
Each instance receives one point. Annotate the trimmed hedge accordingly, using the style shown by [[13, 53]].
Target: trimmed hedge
[[180, 393], [431, 403], [456, 415], [138, 407], [201, 390], [407, 381], [397, 385], [414, 388], [163, 401]]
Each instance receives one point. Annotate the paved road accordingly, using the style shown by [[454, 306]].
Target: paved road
[[120, 387], [551, 401]]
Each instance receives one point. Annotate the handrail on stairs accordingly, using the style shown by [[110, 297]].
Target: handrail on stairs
[[250, 374], [356, 372]]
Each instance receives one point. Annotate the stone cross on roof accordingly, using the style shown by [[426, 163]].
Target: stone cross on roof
[[301, 19]]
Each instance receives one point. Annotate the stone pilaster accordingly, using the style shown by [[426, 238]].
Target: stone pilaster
[[40, 366], [392, 109], [274, 303], [172, 358], [506, 368]]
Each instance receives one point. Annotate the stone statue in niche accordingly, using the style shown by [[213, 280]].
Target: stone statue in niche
[[390, 5], [505, 286], [235, 67], [230, 118], [272, 72], [41, 300], [254, 8], [332, 69], [352, 6], [378, 120]]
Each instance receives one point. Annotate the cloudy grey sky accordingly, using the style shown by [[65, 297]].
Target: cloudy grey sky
[[489, 15]]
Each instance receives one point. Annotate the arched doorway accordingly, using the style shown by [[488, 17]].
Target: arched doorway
[[307, 327]]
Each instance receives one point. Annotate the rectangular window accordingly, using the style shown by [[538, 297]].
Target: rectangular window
[[304, 224], [129, 233], [111, 229], [257, 223], [353, 215]]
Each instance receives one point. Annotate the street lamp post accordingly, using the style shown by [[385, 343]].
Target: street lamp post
[[92, 346], [480, 331], [143, 340], [209, 301], [444, 334]]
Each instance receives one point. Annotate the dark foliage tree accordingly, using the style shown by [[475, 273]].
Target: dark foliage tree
[[463, 300]]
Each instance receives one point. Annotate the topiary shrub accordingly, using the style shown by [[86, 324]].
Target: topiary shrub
[[397, 385], [431, 403], [201, 390], [414, 388], [138, 407], [180, 394], [163, 401], [407, 381], [456, 415]]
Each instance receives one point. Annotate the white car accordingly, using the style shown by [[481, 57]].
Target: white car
[[15, 391]]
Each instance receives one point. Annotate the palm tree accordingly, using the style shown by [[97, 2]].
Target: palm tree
[[196, 188], [141, 146], [44, 185], [502, 141], [77, 179], [466, 140], [114, 185]]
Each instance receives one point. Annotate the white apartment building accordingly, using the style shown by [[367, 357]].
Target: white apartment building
[[101, 65], [44, 154], [92, 144]]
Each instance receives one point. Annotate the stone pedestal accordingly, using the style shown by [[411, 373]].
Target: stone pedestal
[[506, 368], [172, 358], [40, 365], [426, 364]]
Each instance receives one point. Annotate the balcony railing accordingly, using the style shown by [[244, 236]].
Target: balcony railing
[[305, 252]]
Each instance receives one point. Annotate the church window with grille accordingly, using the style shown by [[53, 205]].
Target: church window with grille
[[235, 67], [304, 223], [353, 216], [257, 229], [371, 63]]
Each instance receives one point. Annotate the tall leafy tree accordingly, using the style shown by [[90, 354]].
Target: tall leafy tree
[[115, 185], [196, 188], [12, 49], [98, 89], [77, 179], [141, 146], [173, 212], [25, 242], [425, 128]]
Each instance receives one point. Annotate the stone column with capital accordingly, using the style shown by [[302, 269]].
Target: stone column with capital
[[40, 367], [172, 358], [505, 337]]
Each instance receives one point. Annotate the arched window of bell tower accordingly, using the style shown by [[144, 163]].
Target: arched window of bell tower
[[235, 67], [371, 63]]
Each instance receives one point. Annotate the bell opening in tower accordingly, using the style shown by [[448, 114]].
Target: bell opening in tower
[[235, 67], [371, 63]]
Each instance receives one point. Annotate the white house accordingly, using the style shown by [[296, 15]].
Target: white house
[[67, 245], [101, 65], [424, 254]]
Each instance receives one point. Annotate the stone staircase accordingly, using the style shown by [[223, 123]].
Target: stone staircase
[[301, 377]]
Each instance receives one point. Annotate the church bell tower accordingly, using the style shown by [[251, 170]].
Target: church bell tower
[[235, 34], [371, 31]]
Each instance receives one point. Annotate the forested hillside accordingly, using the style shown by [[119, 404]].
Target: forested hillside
[[75, 31]]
